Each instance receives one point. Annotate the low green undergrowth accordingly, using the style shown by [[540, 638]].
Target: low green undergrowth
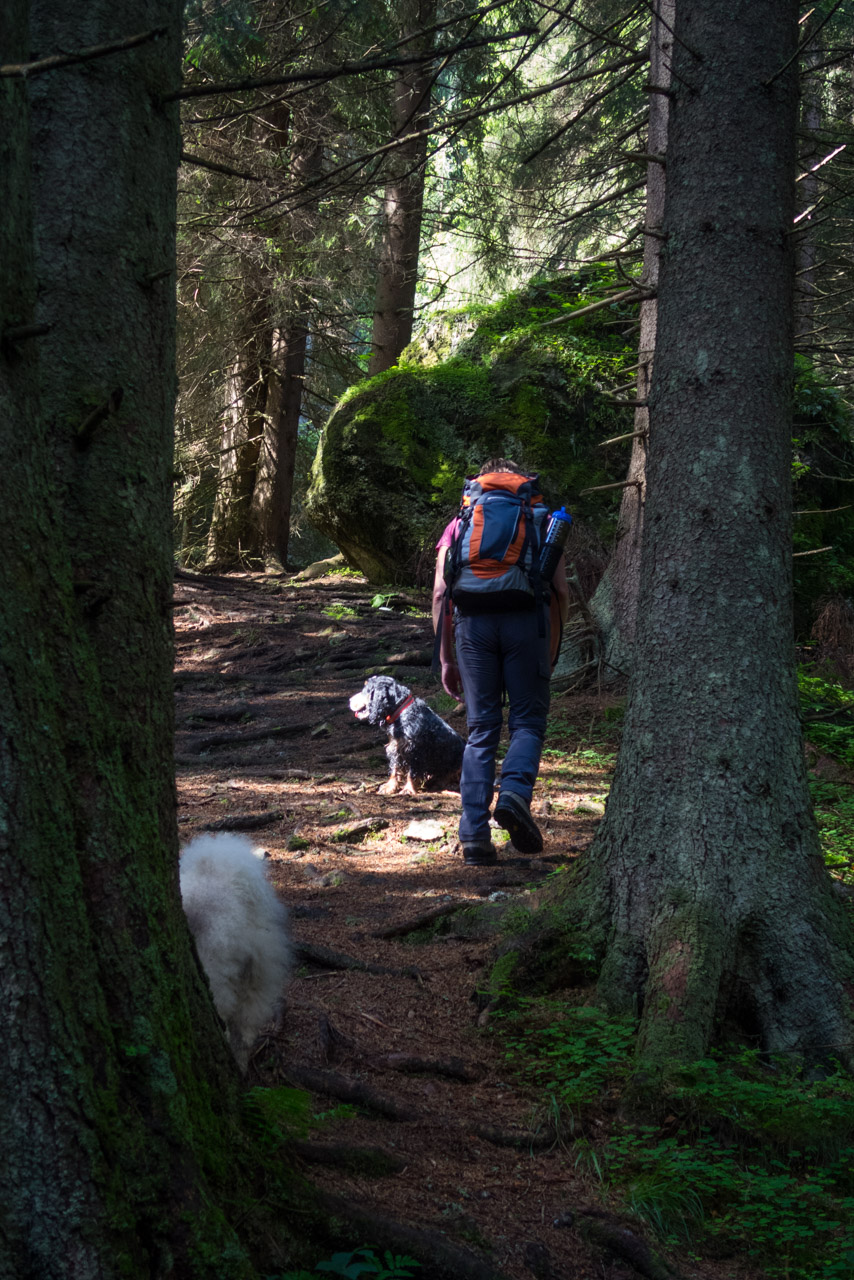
[[737, 1155], [834, 811], [827, 709]]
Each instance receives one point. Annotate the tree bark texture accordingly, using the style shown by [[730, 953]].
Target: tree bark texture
[[614, 605], [403, 202], [118, 1099], [706, 879]]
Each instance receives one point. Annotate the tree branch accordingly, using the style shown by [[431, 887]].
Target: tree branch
[[357, 68], [23, 70], [188, 158], [637, 295]]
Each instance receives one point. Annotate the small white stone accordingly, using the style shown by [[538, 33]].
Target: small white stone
[[426, 829]]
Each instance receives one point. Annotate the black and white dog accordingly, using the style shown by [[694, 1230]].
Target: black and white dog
[[422, 750]]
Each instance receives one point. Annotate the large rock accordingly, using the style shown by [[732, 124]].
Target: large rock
[[391, 464]]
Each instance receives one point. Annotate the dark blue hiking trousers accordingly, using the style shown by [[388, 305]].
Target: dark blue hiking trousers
[[498, 651]]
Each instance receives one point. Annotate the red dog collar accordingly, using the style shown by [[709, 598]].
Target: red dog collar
[[406, 703]]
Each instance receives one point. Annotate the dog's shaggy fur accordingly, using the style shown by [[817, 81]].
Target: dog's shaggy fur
[[241, 933], [422, 750]]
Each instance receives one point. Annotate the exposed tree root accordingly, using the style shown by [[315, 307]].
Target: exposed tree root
[[336, 1046], [613, 1238], [257, 735], [440, 1259], [223, 715], [326, 958], [368, 1161], [419, 922], [245, 821], [450, 1068], [517, 1139], [332, 1085]]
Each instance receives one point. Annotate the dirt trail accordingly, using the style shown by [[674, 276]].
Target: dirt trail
[[267, 744]]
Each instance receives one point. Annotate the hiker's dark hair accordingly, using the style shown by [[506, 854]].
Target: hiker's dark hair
[[501, 464]]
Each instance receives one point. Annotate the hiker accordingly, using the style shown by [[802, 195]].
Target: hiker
[[498, 630]]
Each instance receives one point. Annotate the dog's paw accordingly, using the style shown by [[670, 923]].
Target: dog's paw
[[388, 788]]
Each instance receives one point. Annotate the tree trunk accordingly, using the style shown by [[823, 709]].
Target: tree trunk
[[614, 605], [119, 1124], [270, 508], [243, 427], [706, 879], [403, 203]]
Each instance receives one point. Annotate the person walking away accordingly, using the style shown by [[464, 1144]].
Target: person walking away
[[498, 629]]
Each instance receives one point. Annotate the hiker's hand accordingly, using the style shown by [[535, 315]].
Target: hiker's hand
[[451, 682]]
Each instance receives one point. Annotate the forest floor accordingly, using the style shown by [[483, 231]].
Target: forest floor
[[266, 744]]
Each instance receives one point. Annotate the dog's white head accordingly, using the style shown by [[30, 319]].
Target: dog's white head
[[359, 705], [379, 699]]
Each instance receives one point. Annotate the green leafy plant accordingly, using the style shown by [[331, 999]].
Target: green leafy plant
[[573, 1055], [339, 611], [748, 1155], [828, 713]]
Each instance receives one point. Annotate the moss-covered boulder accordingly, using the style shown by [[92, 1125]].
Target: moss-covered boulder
[[489, 380]]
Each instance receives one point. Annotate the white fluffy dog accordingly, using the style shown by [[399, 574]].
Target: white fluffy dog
[[241, 933]]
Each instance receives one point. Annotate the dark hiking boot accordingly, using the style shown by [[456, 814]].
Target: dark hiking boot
[[514, 815], [480, 853]]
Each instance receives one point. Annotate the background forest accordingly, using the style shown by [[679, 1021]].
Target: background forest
[[479, 193], [612, 240]]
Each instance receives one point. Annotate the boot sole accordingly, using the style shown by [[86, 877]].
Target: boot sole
[[527, 839]]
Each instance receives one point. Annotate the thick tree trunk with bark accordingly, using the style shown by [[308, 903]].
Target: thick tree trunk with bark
[[119, 1120], [614, 605], [403, 202], [706, 883]]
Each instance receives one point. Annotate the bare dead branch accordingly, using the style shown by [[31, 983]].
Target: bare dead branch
[[636, 295], [821, 511], [188, 158], [806, 40], [622, 484], [632, 435]]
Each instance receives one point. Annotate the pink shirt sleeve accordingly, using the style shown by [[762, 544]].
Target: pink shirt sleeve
[[448, 534]]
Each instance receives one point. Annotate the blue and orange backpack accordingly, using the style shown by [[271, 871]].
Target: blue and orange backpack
[[492, 564]]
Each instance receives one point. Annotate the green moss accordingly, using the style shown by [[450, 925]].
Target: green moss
[[391, 463]]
